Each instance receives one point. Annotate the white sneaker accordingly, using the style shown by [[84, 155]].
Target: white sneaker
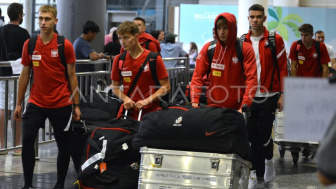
[[252, 184], [269, 170]]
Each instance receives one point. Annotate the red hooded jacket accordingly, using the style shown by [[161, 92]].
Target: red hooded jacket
[[266, 62], [154, 45], [228, 85]]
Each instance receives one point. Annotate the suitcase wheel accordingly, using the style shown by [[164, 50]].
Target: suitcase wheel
[[282, 152], [295, 156]]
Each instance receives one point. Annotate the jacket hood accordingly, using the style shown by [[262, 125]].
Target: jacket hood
[[232, 25], [145, 37]]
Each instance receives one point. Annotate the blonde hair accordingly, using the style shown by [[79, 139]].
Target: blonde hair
[[48, 8], [128, 27]]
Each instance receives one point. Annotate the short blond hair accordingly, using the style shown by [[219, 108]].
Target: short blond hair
[[48, 8], [128, 27]]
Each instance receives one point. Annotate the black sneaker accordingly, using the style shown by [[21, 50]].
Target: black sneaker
[[58, 186]]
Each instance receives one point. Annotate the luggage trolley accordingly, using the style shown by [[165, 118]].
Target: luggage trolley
[[308, 148]]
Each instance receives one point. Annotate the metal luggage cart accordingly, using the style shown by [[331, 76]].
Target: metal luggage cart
[[295, 147]]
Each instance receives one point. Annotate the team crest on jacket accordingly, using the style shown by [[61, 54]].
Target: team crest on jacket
[[54, 53], [146, 68], [235, 60], [315, 55]]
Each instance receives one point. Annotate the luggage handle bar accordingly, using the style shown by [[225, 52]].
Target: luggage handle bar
[[139, 116]]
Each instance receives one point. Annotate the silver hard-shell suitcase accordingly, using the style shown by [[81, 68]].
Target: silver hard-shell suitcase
[[172, 169]]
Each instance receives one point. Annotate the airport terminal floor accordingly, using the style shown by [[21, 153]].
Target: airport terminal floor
[[301, 176]]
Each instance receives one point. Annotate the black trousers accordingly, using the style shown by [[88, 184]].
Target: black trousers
[[260, 131], [33, 119]]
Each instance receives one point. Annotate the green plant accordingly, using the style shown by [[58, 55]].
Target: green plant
[[282, 24]]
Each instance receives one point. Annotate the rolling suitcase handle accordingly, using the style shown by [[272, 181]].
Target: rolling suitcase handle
[[139, 116]]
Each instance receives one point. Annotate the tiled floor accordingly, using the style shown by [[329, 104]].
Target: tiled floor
[[302, 176]]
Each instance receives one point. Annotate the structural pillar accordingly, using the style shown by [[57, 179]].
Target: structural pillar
[[72, 15], [286, 3], [243, 6], [27, 20]]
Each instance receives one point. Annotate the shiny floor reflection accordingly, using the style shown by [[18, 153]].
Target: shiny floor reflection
[[289, 176]]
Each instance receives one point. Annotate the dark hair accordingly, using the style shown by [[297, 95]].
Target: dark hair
[[90, 26], [257, 7], [319, 32], [156, 33], [115, 36], [141, 19], [14, 10], [193, 46], [306, 28]]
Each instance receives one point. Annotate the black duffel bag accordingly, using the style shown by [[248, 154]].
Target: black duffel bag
[[209, 129], [109, 160]]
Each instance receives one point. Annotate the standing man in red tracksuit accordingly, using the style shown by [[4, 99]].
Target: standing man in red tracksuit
[[146, 40], [268, 96], [231, 84]]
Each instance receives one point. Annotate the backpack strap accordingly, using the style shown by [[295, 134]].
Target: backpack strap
[[147, 44], [272, 46], [60, 48], [211, 52], [242, 37], [152, 67], [122, 58], [318, 51], [31, 45], [141, 69], [239, 52]]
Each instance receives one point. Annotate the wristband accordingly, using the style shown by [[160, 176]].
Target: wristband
[[75, 105]]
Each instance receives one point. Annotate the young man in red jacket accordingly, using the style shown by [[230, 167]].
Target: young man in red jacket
[[146, 40], [231, 84], [304, 57], [271, 69]]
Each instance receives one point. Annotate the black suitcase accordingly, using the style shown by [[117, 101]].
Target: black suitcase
[[209, 129]]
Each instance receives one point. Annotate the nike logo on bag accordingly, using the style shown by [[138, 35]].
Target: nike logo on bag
[[59, 45], [151, 59], [208, 134]]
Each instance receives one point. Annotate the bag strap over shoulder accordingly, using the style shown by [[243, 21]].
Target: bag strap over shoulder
[[210, 53], [141, 69], [152, 67], [272, 45]]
